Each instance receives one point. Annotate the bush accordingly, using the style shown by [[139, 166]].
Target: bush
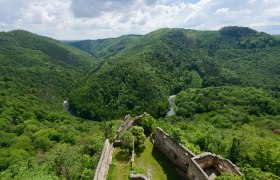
[[127, 139], [43, 142], [138, 170], [139, 138], [149, 124]]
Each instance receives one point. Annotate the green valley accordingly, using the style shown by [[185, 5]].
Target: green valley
[[38, 138], [226, 82]]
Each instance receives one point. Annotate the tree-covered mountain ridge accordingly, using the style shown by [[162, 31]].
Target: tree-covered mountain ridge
[[167, 61], [38, 139], [226, 81], [225, 38]]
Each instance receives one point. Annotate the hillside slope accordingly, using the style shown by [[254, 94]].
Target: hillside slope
[[226, 81], [227, 86], [47, 66], [38, 139], [178, 59], [103, 48]]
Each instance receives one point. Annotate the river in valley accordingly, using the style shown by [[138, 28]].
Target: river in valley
[[171, 101]]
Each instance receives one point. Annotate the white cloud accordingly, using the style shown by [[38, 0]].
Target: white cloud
[[92, 19], [221, 11]]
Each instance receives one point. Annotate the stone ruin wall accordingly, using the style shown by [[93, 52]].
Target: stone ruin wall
[[189, 165], [104, 162], [223, 165], [137, 177], [108, 149], [178, 154], [126, 125]]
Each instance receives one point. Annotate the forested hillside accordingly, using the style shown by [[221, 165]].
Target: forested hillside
[[227, 84], [236, 122], [171, 60], [103, 48], [38, 139]]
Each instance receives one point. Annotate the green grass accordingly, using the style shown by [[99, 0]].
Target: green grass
[[155, 163], [120, 167], [151, 161]]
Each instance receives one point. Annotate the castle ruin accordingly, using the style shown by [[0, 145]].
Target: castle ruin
[[205, 166]]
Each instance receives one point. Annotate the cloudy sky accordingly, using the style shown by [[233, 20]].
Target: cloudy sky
[[93, 19]]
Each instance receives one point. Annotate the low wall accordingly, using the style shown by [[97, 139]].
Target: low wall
[[104, 162], [137, 177]]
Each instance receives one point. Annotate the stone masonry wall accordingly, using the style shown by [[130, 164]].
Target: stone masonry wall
[[206, 160], [177, 153], [126, 125], [108, 149], [104, 162], [205, 166], [196, 172]]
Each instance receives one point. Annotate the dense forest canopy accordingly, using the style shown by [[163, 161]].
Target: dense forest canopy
[[227, 84], [38, 138], [169, 61]]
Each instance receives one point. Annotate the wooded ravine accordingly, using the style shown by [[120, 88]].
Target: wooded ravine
[[226, 82]]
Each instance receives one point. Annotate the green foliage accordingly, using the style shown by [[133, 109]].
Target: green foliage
[[65, 161], [136, 74], [148, 123], [235, 122], [249, 38], [38, 139], [116, 90], [236, 31], [246, 101], [138, 170], [243, 144], [167, 61], [43, 143], [104, 48], [225, 176], [139, 138], [127, 140], [255, 173]]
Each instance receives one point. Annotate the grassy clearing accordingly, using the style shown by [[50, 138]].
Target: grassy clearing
[[152, 161], [157, 166], [120, 167]]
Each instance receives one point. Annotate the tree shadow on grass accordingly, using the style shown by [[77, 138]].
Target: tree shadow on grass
[[168, 168], [139, 151], [123, 155]]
